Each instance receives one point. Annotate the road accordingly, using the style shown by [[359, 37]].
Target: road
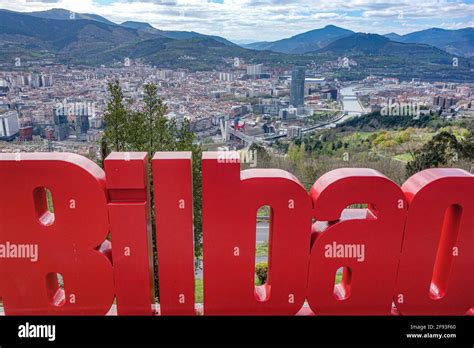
[[262, 232]]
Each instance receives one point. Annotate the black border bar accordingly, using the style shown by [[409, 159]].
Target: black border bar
[[242, 330]]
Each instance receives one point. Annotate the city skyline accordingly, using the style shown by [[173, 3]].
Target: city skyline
[[243, 22]]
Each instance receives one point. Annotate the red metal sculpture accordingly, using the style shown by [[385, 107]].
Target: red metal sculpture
[[407, 248], [365, 242], [435, 274], [67, 240], [229, 242], [130, 231], [172, 177]]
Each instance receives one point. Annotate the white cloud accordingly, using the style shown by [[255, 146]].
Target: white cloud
[[269, 19]]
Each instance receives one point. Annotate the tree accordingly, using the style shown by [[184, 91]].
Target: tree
[[186, 142], [441, 150], [467, 146], [262, 155], [104, 151], [197, 204], [137, 134], [116, 119], [149, 130], [295, 152], [161, 132]]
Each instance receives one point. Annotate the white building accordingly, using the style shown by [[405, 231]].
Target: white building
[[254, 70], [224, 76], [294, 132], [164, 74], [9, 124], [287, 114]]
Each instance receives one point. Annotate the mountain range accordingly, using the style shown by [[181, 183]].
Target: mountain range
[[91, 39], [457, 42], [61, 14], [305, 42], [360, 44]]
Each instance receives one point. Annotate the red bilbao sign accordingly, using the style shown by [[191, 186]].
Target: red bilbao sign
[[410, 252]]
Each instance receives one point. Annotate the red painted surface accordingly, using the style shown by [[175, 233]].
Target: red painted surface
[[436, 265], [231, 199], [131, 232], [172, 177], [66, 245], [417, 240], [365, 241]]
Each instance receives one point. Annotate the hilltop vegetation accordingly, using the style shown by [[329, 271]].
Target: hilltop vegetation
[[396, 147]]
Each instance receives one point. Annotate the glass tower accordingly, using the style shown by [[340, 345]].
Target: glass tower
[[297, 86]]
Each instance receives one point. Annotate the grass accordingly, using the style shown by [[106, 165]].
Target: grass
[[199, 293], [404, 157], [49, 201]]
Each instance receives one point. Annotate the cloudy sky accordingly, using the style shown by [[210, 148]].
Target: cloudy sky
[[257, 20]]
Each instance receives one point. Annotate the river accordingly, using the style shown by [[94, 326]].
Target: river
[[349, 101]]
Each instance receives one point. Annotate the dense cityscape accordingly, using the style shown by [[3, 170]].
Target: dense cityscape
[[54, 107]]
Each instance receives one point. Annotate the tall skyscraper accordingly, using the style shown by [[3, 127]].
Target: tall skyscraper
[[61, 127], [297, 86]]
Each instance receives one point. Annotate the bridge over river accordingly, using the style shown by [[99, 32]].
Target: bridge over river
[[351, 107]]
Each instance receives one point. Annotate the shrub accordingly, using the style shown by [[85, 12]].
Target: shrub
[[261, 270]]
